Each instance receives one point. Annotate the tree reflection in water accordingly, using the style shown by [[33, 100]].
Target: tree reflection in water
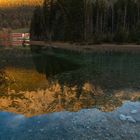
[[68, 81]]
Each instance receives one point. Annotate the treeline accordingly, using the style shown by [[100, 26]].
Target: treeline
[[94, 21], [16, 17]]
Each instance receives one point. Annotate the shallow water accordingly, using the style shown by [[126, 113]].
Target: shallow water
[[53, 86], [86, 124]]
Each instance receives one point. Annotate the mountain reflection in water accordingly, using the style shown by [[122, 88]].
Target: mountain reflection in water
[[66, 81]]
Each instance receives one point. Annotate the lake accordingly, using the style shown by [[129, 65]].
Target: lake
[[59, 94]]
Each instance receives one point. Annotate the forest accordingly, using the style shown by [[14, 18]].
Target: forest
[[16, 17], [93, 21], [16, 14]]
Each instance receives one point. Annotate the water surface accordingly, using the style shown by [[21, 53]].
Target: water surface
[[47, 88]]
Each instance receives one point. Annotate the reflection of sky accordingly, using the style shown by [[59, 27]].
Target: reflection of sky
[[65, 125]]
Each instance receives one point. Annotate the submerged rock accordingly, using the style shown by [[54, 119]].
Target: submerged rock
[[122, 117], [134, 111], [127, 118], [131, 119], [30, 130]]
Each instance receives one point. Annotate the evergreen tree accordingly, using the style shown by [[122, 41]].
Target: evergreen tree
[[88, 20]]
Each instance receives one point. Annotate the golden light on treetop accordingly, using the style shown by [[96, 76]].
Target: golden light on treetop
[[15, 3]]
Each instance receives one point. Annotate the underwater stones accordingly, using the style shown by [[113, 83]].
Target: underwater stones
[[127, 118], [134, 111], [122, 117], [131, 119]]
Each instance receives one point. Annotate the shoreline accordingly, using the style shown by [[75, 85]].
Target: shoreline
[[99, 47], [133, 48], [89, 48]]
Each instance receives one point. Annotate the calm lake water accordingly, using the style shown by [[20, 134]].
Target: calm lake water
[[58, 94]]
